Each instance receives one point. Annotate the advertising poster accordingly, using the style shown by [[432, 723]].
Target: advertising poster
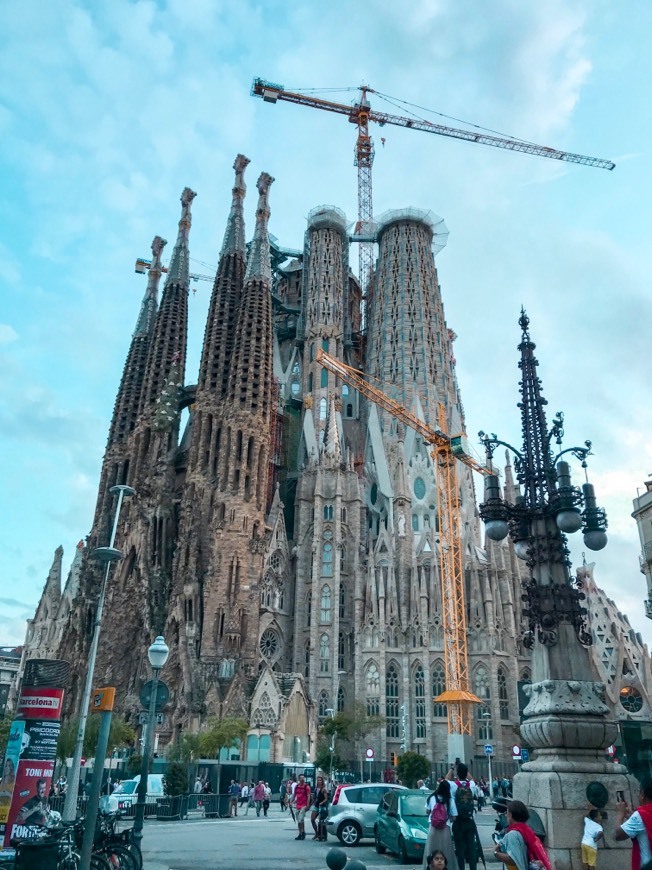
[[10, 767], [39, 703], [29, 806]]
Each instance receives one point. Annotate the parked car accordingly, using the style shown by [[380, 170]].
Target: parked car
[[402, 824], [353, 810], [125, 795]]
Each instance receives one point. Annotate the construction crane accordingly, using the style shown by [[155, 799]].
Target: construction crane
[[361, 114], [447, 451], [142, 265]]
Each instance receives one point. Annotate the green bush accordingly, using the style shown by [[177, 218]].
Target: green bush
[[175, 780]]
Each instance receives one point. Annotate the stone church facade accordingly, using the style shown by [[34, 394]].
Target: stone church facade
[[285, 539]]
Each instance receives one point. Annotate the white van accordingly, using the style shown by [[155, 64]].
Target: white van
[[125, 795]]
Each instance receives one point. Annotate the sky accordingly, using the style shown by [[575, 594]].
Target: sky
[[108, 110]]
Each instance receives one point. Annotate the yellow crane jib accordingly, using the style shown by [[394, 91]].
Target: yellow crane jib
[[447, 452]]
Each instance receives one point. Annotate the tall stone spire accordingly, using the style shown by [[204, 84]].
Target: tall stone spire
[[332, 446], [170, 332], [179, 271], [127, 400], [259, 266], [234, 237], [227, 291]]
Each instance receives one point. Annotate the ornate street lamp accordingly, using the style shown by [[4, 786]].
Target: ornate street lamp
[[548, 508], [158, 655], [565, 720]]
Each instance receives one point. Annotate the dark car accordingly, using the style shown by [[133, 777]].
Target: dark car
[[402, 824]]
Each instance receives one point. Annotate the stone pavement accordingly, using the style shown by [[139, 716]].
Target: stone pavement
[[251, 843]]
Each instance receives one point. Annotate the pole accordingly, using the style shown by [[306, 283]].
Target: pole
[[70, 805], [96, 785], [139, 818], [491, 779]]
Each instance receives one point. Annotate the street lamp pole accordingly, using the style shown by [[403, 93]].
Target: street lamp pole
[[158, 655], [108, 555], [565, 720]]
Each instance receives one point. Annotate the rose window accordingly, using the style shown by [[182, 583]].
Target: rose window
[[269, 643], [631, 699]]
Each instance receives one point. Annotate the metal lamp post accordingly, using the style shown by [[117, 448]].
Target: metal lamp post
[[158, 655], [565, 720], [108, 555]]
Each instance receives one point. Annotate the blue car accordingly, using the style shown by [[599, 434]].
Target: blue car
[[402, 825]]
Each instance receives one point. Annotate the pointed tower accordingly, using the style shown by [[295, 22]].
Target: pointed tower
[[230, 625], [170, 331], [117, 459], [40, 640]]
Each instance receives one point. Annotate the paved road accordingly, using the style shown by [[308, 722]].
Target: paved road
[[250, 843]]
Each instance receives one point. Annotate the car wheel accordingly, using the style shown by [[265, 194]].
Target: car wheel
[[349, 833], [402, 851], [379, 846]]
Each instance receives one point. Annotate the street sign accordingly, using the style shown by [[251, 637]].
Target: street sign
[[103, 700], [162, 695], [516, 750], [369, 753], [488, 749], [525, 754]]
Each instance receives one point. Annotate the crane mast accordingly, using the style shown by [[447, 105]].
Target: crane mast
[[447, 451], [361, 114]]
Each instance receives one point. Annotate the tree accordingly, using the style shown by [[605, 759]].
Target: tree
[[175, 780], [134, 763], [186, 748], [412, 767], [362, 725], [222, 732], [121, 736], [323, 757]]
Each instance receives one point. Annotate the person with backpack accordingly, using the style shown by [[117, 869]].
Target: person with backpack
[[440, 807], [465, 833]]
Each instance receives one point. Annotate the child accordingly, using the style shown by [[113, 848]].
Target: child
[[592, 833], [437, 861]]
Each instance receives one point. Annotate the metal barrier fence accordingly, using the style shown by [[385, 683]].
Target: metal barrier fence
[[173, 808]]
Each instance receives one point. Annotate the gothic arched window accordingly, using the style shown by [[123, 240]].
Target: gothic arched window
[[438, 686], [322, 409], [342, 600], [503, 697], [419, 703], [327, 560], [341, 651], [306, 660], [309, 608], [340, 699], [324, 378], [328, 511], [483, 691], [323, 704], [324, 654], [391, 702], [325, 610], [372, 684]]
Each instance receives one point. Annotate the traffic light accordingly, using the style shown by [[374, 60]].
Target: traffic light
[[393, 757]]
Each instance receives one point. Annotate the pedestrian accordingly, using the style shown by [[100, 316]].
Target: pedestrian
[[301, 802], [251, 802], [437, 861], [441, 808], [422, 786], [282, 795], [319, 799], [244, 794], [234, 795], [593, 831], [267, 796], [637, 825], [464, 830], [197, 786], [520, 847], [259, 795], [207, 789]]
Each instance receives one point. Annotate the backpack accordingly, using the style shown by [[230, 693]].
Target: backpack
[[439, 815], [464, 800]]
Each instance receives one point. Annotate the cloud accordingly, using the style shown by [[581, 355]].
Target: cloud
[[7, 333]]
